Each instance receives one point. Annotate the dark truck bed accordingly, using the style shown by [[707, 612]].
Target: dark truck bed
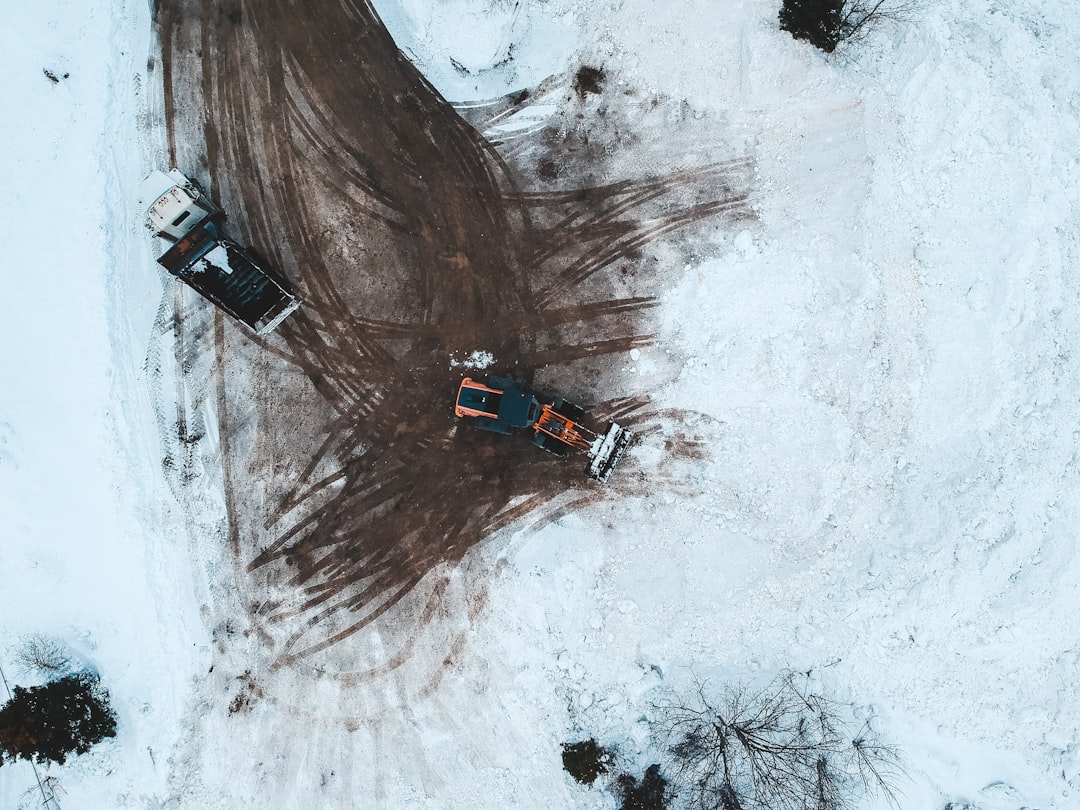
[[229, 276]]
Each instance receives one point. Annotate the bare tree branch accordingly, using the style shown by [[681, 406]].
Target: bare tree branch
[[783, 747], [39, 654]]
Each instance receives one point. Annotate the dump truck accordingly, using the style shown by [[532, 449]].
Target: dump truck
[[225, 273], [506, 406]]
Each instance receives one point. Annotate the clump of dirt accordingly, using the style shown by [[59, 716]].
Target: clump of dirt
[[588, 80]]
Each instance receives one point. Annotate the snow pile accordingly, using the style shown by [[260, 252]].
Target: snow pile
[[478, 359], [881, 368]]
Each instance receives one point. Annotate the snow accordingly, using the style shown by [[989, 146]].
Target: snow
[[883, 367], [475, 50], [477, 359]]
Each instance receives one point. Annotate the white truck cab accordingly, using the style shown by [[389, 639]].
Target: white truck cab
[[174, 204]]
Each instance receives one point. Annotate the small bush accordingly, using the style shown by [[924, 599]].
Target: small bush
[[46, 723], [783, 746], [648, 794], [585, 760], [39, 654]]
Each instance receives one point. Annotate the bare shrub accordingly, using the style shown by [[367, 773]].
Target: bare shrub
[[780, 748], [859, 18], [43, 655]]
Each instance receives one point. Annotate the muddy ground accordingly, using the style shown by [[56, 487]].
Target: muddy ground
[[413, 242]]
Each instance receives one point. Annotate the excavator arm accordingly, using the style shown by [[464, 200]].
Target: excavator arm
[[563, 429]]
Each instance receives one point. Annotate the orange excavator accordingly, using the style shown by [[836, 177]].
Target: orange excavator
[[507, 406]]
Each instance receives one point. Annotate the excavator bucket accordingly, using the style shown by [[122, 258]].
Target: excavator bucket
[[605, 452]]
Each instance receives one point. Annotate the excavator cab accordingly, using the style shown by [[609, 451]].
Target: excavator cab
[[499, 404]]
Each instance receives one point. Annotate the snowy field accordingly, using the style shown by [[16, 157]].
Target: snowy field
[[884, 364]]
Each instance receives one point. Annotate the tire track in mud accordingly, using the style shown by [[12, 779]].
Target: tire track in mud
[[412, 242]]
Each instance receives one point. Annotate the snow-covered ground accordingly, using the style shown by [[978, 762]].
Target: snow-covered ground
[[91, 548], [885, 365]]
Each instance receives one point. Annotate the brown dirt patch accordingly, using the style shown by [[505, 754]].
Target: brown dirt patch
[[412, 242]]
